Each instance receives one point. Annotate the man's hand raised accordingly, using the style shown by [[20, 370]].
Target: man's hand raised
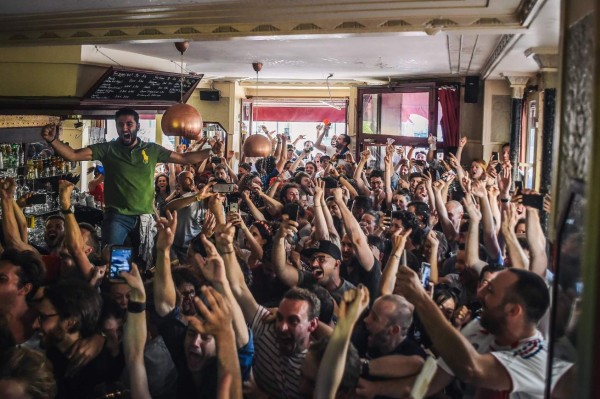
[[166, 231]]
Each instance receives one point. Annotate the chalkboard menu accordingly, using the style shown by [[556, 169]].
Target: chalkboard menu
[[135, 85]]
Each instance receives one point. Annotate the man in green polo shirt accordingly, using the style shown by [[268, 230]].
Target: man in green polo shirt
[[129, 178]]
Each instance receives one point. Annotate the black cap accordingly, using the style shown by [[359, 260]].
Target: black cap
[[325, 247]]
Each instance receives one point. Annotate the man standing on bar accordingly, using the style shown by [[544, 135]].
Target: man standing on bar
[[129, 165]]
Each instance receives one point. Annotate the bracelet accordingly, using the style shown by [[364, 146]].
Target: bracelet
[[227, 252], [53, 140], [136, 307], [364, 368], [504, 200]]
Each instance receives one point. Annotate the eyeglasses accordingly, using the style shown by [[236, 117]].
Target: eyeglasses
[[190, 293], [43, 317], [320, 259]]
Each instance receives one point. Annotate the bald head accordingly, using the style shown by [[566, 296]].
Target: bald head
[[399, 311], [455, 212]]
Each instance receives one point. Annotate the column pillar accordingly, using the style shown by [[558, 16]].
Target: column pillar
[[547, 60], [517, 85]]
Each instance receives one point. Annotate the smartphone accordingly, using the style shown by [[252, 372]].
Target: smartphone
[[223, 188], [233, 207], [293, 210], [448, 175], [215, 160], [420, 163], [518, 186], [330, 182], [425, 274], [120, 261], [495, 156], [37, 199], [534, 201]]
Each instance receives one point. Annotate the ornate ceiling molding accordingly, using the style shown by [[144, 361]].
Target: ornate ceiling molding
[[251, 19], [504, 45]]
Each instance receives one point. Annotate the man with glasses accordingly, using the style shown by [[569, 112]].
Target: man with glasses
[[68, 313], [129, 165], [324, 260]]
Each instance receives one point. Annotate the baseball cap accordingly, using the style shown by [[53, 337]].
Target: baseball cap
[[325, 247]]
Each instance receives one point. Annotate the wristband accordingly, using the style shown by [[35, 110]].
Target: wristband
[[53, 140], [364, 368], [504, 200], [136, 307]]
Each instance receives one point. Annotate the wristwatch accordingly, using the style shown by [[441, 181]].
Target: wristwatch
[[68, 211]]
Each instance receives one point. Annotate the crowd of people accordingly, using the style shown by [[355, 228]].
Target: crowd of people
[[300, 274]]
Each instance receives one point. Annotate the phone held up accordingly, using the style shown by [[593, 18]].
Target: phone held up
[[425, 274], [120, 261], [534, 201]]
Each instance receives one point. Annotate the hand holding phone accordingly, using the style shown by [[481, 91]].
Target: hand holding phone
[[425, 274], [120, 261]]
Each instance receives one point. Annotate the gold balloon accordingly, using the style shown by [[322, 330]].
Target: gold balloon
[[182, 120], [257, 145]]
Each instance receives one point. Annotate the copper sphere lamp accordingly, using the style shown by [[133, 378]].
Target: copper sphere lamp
[[182, 119]]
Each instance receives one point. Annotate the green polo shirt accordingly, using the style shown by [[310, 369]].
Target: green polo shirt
[[129, 174]]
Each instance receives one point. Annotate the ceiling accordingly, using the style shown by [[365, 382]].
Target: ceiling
[[353, 39]]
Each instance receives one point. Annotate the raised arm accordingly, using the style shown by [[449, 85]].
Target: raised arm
[[282, 159], [73, 238], [217, 321], [10, 226], [357, 236], [319, 221], [461, 145], [320, 134], [537, 243], [517, 255], [286, 273], [364, 158], [50, 135], [450, 231], [388, 172], [472, 241], [182, 202], [224, 236], [164, 288], [388, 278], [134, 336], [254, 211], [333, 364], [490, 239], [237, 220], [434, 245], [213, 269], [298, 161]]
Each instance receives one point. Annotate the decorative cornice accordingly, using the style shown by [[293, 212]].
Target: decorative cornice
[[247, 19], [504, 45]]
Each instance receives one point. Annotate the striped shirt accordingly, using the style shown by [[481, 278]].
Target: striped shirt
[[275, 373]]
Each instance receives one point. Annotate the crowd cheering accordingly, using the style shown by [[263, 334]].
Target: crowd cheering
[[300, 274]]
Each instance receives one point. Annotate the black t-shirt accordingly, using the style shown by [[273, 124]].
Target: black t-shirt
[[356, 274], [99, 377]]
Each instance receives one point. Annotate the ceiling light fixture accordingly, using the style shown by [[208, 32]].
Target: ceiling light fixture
[[330, 103], [182, 119], [256, 145]]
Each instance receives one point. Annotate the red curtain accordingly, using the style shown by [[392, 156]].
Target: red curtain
[[449, 100], [299, 114]]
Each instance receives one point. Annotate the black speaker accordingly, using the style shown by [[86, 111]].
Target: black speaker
[[472, 89], [210, 95]]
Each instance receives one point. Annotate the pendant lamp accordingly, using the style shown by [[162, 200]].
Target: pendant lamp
[[257, 145], [182, 119]]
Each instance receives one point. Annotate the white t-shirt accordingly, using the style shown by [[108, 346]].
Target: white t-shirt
[[525, 363]]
